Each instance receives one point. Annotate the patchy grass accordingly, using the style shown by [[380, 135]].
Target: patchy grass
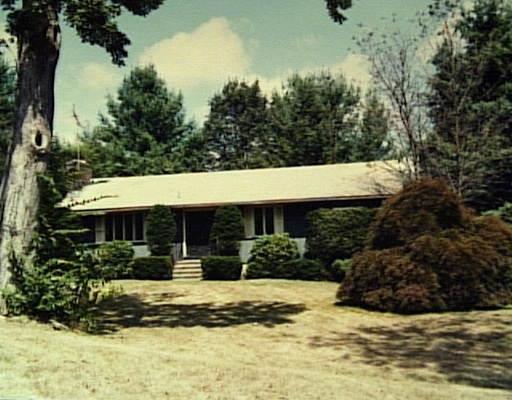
[[257, 340]]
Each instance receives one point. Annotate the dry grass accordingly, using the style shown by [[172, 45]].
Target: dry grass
[[257, 340]]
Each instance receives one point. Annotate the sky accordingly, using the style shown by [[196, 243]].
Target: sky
[[197, 45]]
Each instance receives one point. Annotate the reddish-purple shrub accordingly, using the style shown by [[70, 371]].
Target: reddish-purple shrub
[[422, 257]]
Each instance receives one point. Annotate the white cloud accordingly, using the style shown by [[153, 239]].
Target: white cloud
[[356, 68], [96, 76], [208, 55]]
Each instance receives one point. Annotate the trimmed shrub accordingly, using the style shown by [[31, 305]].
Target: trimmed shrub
[[302, 269], [161, 230], [115, 259], [268, 255], [152, 268], [221, 268], [337, 233], [227, 230], [427, 252], [339, 269]]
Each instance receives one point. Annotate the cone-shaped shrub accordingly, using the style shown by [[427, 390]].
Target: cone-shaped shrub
[[427, 252]]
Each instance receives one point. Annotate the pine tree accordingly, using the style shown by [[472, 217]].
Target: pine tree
[[143, 129], [314, 119], [236, 133]]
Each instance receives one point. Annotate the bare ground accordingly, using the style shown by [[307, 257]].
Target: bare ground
[[257, 340]]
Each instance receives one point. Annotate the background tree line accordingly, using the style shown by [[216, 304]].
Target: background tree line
[[314, 119]]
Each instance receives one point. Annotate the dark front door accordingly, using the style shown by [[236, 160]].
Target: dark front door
[[198, 225]]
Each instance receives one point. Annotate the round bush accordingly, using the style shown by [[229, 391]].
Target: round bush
[[268, 255], [428, 252], [161, 230], [115, 259]]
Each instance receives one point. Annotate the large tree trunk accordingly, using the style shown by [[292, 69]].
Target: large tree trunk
[[38, 53]]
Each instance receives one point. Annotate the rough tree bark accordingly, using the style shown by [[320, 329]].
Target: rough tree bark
[[38, 53]]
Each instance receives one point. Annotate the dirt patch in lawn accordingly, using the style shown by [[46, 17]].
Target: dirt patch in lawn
[[257, 340]]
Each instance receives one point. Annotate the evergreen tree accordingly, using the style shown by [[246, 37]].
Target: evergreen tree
[[372, 140], [314, 119], [144, 127], [471, 105], [161, 230], [236, 133]]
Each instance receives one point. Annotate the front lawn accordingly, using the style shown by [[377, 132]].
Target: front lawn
[[257, 339]]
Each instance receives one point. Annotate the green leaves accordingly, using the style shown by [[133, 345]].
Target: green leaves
[[144, 128], [336, 8], [161, 230], [95, 21]]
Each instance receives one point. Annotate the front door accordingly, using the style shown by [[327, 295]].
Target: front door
[[198, 225]]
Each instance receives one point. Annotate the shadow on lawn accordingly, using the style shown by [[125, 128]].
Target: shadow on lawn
[[473, 349], [132, 311]]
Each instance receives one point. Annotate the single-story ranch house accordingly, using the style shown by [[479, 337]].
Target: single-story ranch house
[[272, 200]]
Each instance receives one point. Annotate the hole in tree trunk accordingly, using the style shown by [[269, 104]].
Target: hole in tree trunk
[[38, 140]]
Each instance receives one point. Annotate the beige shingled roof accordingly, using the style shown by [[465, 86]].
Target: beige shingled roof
[[256, 186]]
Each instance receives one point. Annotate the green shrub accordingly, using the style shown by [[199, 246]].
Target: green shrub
[[152, 268], [221, 268], [301, 269], [161, 230], [339, 269], [115, 259], [337, 233], [61, 289], [227, 230], [59, 281], [428, 252], [269, 253]]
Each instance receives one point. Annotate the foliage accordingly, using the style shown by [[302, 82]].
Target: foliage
[[372, 141], [236, 133], [504, 212], [154, 268], [314, 119], [336, 8], [301, 269], [221, 268], [7, 94], [115, 259], [471, 102], [94, 22], [161, 230], [144, 127], [269, 253], [427, 252], [227, 230], [61, 282], [340, 268], [337, 233]]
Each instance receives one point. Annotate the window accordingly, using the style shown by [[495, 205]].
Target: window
[[89, 223], [264, 221], [124, 227]]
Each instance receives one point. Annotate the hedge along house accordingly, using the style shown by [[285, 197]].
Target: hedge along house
[[272, 200]]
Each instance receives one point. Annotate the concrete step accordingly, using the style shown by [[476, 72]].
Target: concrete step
[[188, 269]]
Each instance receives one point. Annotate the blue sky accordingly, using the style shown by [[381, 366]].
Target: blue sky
[[196, 45]]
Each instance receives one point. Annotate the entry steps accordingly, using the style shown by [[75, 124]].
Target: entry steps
[[187, 270]]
